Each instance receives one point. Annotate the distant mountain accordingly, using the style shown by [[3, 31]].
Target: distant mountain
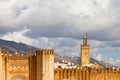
[[24, 48], [15, 47]]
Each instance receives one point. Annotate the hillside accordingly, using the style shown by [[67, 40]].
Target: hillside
[[15, 47], [24, 48]]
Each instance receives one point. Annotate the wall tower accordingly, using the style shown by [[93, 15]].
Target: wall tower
[[85, 52], [45, 64]]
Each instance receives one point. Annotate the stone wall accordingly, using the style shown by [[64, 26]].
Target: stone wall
[[87, 74]]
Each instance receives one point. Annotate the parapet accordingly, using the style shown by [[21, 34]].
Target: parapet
[[91, 70], [6, 53], [44, 52]]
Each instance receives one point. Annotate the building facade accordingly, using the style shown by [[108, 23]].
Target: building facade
[[40, 66]]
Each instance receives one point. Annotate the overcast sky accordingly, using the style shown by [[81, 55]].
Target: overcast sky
[[61, 24]]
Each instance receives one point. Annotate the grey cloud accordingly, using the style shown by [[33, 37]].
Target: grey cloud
[[115, 43], [66, 42], [109, 34], [61, 18]]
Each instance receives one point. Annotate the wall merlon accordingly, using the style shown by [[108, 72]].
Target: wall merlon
[[45, 51], [0, 51], [48, 51]]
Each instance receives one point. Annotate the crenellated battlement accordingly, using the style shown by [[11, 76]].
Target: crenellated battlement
[[45, 52], [7, 54], [91, 70], [82, 73]]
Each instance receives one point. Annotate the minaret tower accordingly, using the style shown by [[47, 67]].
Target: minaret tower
[[85, 52]]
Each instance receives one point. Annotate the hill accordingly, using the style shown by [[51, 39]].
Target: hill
[[16, 47]]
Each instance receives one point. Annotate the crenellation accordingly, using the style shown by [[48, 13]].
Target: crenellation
[[16, 55], [50, 52], [45, 51], [83, 74], [37, 52]]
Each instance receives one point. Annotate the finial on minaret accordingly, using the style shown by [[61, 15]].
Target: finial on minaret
[[85, 39]]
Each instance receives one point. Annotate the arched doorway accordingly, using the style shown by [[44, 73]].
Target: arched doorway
[[18, 77]]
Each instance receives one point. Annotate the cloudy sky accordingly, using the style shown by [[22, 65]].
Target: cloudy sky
[[61, 24]]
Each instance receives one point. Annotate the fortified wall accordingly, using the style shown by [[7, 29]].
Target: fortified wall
[[31, 66], [86, 73]]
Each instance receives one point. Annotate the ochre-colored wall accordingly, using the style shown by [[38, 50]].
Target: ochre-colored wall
[[37, 66], [87, 74], [45, 64], [17, 68], [14, 66]]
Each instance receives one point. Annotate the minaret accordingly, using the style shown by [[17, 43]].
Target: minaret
[[85, 53]]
